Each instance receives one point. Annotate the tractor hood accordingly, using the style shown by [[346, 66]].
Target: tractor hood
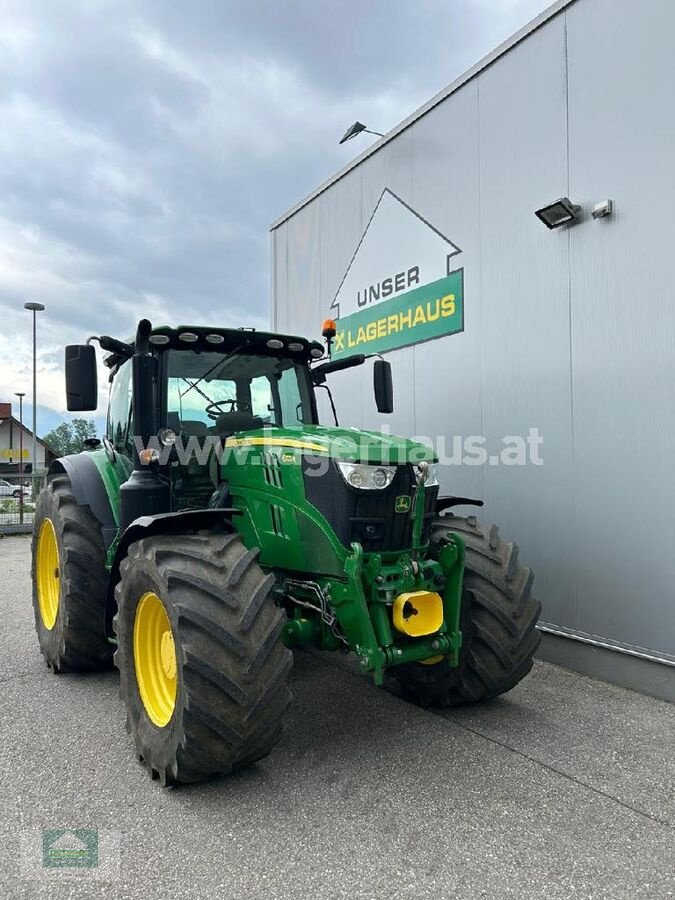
[[350, 444]]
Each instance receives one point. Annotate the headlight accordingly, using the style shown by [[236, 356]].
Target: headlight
[[368, 478], [167, 437]]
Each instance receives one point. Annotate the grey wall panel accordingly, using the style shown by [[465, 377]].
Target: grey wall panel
[[622, 145], [570, 331], [524, 328], [279, 280], [448, 386], [341, 229], [344, 215], [304, 271], [391, 167]]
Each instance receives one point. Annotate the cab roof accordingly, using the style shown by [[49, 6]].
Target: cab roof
[[225, 340]]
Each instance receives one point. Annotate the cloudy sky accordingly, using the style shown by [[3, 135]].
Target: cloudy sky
[[146, 145]]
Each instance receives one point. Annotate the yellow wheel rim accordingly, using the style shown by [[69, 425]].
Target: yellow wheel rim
[[155, 659], [48, 574]]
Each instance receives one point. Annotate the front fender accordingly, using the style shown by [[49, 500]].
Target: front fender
[[89, 490], [184, 522]]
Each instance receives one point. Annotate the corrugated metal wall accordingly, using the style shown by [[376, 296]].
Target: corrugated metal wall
[[571, 331]]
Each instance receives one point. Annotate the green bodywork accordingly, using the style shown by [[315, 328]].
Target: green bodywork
[[264, 473], [114, 469], [336, 596]]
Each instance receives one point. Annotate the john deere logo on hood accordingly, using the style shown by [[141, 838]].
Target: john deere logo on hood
[[402, 504], [401, 286]]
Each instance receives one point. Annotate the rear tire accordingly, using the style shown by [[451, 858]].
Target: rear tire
[[69, 601], [229, 675], [498, 622]]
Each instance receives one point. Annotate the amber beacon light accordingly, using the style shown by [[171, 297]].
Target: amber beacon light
[[329, 328]]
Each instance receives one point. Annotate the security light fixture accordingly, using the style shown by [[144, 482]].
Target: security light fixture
[[562, 212], [355, 129], [602, 209]]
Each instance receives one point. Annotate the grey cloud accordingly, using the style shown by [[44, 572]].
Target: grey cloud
[[145, 146]]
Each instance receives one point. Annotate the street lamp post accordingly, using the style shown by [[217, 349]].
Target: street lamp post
[[34, 308], [20, 395]]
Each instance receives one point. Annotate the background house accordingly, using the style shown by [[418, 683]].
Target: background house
[[16, 443]]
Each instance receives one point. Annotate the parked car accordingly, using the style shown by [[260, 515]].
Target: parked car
[[14, 490]]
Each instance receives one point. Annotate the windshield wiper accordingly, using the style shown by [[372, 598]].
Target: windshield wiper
[[198, 389], [221, 362]]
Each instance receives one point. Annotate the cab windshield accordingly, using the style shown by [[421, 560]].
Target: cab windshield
[[217, 393]]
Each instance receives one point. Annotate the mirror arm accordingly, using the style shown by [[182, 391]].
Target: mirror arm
[[332, 402], [320, 372], [112, 345]]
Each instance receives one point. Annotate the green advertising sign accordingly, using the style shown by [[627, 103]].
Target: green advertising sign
[[427, 312]]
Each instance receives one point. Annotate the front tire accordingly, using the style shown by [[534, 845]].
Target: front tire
[[69, 581], [203, 672], [498, 623]]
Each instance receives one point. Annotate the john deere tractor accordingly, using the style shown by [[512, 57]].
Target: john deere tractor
[[217, 526]]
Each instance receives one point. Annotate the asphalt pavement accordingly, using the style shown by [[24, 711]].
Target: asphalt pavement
[[564, 788]]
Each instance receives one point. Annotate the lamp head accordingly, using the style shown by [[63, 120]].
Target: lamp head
[[350, 133]]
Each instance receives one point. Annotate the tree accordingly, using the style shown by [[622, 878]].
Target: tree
[[69, 437]]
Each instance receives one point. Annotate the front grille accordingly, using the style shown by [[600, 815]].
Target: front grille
[[368, 517]]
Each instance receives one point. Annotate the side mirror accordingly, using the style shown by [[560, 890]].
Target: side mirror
[[81, 378], [382, 386]]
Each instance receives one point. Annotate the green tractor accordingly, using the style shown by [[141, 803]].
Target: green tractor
[[218, 525]]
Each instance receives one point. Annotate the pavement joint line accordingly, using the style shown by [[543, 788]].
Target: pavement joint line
[[561, 772], [448, 717]]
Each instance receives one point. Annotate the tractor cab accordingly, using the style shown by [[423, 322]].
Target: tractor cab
[[177, 395]]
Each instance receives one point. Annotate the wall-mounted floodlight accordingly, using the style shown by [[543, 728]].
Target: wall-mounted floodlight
[[603, 208], [562, 212], [357, 128]]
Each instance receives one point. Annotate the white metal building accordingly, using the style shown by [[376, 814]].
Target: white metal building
[[570, 331]]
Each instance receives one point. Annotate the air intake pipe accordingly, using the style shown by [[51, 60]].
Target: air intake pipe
[[146, 492]]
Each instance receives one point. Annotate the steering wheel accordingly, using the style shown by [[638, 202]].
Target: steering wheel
[[215, 409]]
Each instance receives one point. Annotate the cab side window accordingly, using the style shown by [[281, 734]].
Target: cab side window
[[119, 408]]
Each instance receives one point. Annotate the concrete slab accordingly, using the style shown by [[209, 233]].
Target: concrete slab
[[559, 791]]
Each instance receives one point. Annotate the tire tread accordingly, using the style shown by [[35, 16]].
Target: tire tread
[[234, 668], [498, 622], [78, 642]]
